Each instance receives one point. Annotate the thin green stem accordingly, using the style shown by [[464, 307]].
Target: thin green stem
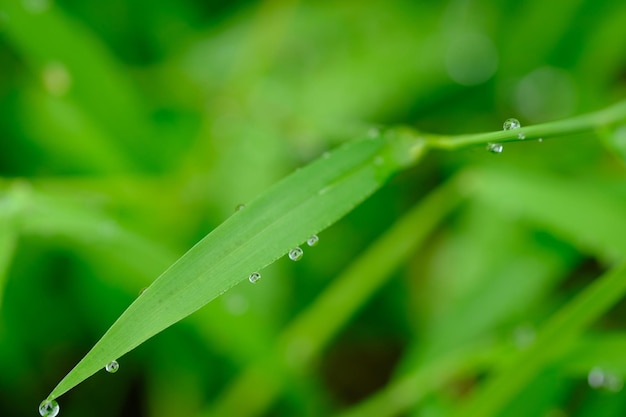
[[584, 123]]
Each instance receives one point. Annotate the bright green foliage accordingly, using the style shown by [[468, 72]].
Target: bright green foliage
[[448, 281]]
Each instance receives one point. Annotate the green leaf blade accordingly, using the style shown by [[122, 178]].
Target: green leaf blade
[[302, 204]]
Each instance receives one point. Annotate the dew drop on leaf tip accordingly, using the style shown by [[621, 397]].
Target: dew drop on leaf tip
[[495, 147], [510, 124], [112, 367], [295, 254], [254, 277], [48, 408], [312, 241]]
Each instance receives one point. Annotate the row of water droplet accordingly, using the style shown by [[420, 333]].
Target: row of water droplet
[[509, 124], [50, 408], [295, 254]]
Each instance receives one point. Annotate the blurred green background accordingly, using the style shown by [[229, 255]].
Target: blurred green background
[[129, 130]]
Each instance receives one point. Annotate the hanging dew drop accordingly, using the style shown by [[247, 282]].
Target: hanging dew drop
[[48, 408], [295, 254], [596, 377], [495, 147], [312, 241], [112, 367], [599, 378], [521, 136], [254, 277], [511, 124]]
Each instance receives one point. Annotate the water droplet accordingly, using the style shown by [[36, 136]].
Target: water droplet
[[540, 140], [112, 367], [295, 254], [510, 124], [312, 241], [141, 291], [48, 408], [254, 277], [521, 136], [240, 207], [595, 378], [495, 147], [599, 378]]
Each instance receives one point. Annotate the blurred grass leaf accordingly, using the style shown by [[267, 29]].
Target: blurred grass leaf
[[588, 215], [554, 338]]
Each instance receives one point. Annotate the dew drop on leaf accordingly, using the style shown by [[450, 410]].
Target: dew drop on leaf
[[112, 367], [595, 378], [254, 277], [295, 254], [510, 124], [312, 241], [495, 147], [49, 408], [599, 378]]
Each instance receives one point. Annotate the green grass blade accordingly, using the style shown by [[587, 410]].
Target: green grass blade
[[554, 338], [302, 204]]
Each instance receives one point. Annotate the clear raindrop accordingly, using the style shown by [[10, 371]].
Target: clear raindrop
[[48, 408], [112, 367], [495, 147], [254, 277], [521, 136], [240, 207], [540, 140], [595, 378], [312, 241], [599, 378], [295, 254], [510, 124]]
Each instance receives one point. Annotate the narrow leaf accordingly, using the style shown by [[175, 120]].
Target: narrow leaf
[[302, 204]]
